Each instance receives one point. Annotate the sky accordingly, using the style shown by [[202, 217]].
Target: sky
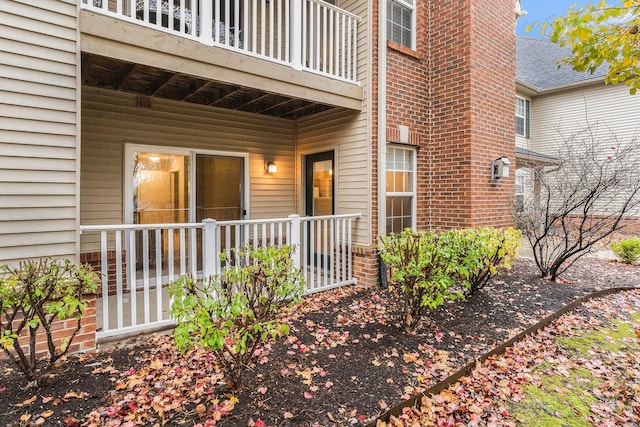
[[542, 10]]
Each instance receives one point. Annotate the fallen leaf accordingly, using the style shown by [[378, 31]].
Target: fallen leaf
[[47, 399], [262, 390], [288, 415], [307, 395], [25, 417], [46, 414]]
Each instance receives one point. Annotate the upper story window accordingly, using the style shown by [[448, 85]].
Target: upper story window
[[401, 22], [522, 116]]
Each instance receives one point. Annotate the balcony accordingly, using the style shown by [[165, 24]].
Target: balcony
[[308, 35]]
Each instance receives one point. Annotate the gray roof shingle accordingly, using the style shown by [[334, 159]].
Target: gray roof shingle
[[537, 64]]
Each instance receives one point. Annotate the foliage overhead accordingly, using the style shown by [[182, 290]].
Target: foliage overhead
[[601, 34]]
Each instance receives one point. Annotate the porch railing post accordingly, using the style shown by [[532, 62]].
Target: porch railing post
[[296, 34], [295, 239], [209, 253], [206, 21]]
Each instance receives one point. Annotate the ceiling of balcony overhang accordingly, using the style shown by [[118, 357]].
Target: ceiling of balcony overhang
[[109, 73]]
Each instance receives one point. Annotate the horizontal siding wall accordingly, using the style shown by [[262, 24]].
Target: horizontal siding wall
[[110, 119], [611, 108], [38, 129], [349, 137], [606, 110]]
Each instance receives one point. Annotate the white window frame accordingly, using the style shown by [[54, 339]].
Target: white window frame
[[408, 4], [414, 182], [523, 111]]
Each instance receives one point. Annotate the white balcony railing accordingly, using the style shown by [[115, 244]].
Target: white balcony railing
[[151, 256], [306, 34]]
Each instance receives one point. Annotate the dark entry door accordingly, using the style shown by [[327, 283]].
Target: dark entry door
[[319, 201]]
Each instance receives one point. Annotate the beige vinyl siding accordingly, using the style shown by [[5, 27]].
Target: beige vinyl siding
[[110, 119], [607, 110], [38, 129], [611, 108], [348, 136]]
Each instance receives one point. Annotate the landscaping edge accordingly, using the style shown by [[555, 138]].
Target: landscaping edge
[[466, 369]]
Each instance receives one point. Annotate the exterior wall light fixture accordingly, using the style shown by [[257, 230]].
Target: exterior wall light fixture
[[270, 167], [499, 169]]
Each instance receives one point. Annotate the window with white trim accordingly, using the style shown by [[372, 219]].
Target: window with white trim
[[401, 20], [401, 188], [521, 188], [523, 107]]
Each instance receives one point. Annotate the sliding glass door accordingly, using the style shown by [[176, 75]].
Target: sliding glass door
[[172, 186]]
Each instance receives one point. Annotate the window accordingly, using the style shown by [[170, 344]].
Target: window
[[401, 184], [521, 181], [522, 116], [401, 22]]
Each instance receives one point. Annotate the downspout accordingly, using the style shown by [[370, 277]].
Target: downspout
[[382, 116]]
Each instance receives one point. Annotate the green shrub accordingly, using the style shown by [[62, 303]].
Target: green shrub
[[232, 313], [32, 296], [627, 250], [483, 250], [423, 268]]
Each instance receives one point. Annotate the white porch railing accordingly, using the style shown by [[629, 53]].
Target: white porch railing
[[156, 254], [306, 34]]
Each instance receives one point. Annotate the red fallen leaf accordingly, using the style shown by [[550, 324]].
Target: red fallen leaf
[[262, 390], [130, 372], [361, 418], [111, 411], [132, 406], [71, 422], [259, 423], [2, 389], [47, 399], [307, 395]]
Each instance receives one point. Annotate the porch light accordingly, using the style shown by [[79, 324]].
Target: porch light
[[270, 167], [499, 168]]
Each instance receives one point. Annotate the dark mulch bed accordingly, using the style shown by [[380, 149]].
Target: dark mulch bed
[[343, 363]]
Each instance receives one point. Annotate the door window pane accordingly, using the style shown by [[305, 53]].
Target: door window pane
[[160, 188], [218, 188], [323, 187]]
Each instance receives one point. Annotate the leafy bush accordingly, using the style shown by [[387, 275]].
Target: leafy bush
[[423, 267], [32, 297], [483, 250], [627, 250], [232, 313]]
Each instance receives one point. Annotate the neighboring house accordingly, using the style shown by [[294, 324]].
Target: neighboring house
[[554, 102], [361, 117]]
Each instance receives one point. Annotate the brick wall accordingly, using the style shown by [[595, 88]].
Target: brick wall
[[365, 264], [84, 341], [94, 259], [455, 92]]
